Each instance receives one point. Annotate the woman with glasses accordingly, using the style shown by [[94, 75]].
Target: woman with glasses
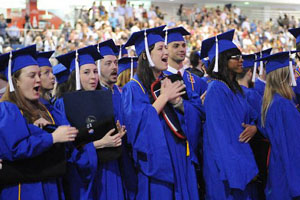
[[229, 164]]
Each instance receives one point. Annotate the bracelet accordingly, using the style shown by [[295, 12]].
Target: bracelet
[[178, 104]]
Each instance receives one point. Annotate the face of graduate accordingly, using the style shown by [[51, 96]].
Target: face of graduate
[[235, 64], [89, 77], [159, 56], [47, 78], [177, 51], [109, 70], [29, 82]]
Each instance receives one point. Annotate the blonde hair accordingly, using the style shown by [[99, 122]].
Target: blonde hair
[[123, 78], [278, 81]]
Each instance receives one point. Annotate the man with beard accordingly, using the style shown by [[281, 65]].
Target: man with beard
[[259, 145], [177, 52], [108, 72]]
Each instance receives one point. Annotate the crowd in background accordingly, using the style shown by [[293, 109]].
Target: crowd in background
[[98, 24]]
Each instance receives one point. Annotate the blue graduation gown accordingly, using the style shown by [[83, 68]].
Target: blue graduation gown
[[81, 167], [229, 165], [164, 169], [281, 128], [253, 98], [16, 142], [108, 183], [259, 86]]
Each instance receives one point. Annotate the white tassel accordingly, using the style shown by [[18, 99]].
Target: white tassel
[[216, 67], [292, 70], [11, 85], [254, 70], [166, 38], [120, 52], [147, 50], [261, 69], [131, 68], [99, 63], [78, 85]]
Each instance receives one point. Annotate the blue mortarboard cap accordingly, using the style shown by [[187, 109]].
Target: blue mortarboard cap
[[175, 34], [122, 50], [137, 39], [248, 60], [16, 60], [107, 47], [61, 73], [86, 55], [208, 47], [263, 53], [125, 63], [296, 33], [20, 58], [280, 60], [43, 58], [260, 55]]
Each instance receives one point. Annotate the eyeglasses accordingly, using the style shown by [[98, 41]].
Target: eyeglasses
[[236, 57]]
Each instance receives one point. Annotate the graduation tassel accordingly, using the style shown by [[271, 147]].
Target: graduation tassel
[[147, 50], [131, 68], [292, 70], [216, 67], [78, 85], [166, 37], [254, 70], [99, 64], [261, 69], [120, 52], [11, 85]]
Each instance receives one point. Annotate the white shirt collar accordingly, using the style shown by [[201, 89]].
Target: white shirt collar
[[174, 71]]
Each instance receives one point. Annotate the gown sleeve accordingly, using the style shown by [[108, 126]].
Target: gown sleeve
[[145, 134], [17, 140]]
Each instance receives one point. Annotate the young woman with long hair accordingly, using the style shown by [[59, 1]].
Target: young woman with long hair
[[89, 81], [229, 164], [280, 120], [22, 117], [165, 169]]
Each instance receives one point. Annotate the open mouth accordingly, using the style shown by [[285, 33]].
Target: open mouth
[[37, 88], [164, 59]]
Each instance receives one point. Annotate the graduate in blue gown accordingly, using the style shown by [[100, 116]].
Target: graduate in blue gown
[[47, 77], [89, 81], [279, 119], [165, 168], [229, 164], [61, 74], [116, 177], [126, 69], [21, 118], [177, 51], [260, 82], [259, 144]]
